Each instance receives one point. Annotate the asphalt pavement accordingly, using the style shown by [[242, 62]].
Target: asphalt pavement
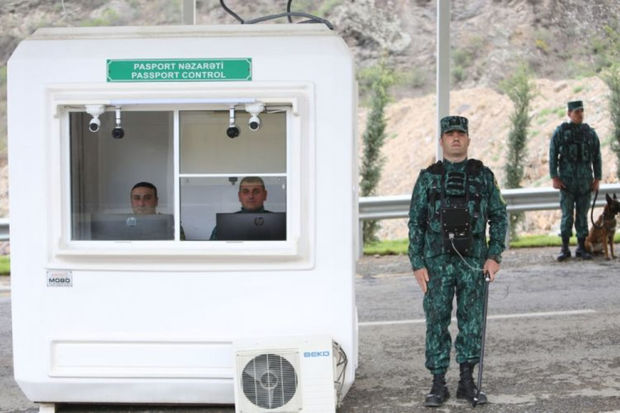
[[553, 341]]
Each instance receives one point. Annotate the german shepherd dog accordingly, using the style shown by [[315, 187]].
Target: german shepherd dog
[[601, 235]]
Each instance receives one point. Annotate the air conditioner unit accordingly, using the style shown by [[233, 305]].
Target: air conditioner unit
[[288, 375]]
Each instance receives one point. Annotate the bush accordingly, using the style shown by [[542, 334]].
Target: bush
[[381, 78], [519, 87], [612, 78]]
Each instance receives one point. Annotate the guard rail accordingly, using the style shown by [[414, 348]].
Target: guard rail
[[4, 229], [519, 199]]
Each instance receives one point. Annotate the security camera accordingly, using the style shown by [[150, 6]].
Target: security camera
[[233, 130], [254, 123], [94, 125], [254, 109], [118, 132], [94, 111]]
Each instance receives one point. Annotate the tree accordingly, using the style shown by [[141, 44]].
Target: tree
[[610, 73], [520, 89], [611, 76], [380, 78]]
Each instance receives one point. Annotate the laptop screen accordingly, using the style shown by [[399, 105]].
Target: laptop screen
[[266, 226], [132, 227]]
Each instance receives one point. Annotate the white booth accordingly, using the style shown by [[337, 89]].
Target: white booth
[[114, 306]]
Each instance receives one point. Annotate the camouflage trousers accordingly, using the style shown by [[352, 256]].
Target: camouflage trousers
[[575, 202], [450, 276]]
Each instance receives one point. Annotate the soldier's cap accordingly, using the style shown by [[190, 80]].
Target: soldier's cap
[[574, 105], [450, 123]]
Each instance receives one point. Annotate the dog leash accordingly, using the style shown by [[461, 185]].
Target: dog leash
[[592, 212]]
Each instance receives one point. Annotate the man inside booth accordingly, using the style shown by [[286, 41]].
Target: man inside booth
[[252, 196], [144, 198]]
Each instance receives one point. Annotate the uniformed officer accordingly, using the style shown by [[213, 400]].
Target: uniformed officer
[[452, 203], [575, 168], [252, 196]]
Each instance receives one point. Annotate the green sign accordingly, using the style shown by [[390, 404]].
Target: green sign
[[179, 70]]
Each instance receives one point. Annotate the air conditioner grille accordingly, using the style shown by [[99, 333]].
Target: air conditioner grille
[[269, 381]]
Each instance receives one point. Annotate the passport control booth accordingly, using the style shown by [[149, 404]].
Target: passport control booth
[[111, 305]]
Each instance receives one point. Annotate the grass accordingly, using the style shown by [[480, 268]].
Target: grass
[[400, 246], [397, 247], [5, 265]]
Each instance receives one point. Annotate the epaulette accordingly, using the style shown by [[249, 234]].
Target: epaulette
[[436, 168]]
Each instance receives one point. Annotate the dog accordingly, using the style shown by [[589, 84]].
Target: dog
[[601, 235]]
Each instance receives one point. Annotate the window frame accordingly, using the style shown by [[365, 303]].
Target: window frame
[[300, 177]]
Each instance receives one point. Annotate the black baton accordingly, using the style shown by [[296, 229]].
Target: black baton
[[487, 279]]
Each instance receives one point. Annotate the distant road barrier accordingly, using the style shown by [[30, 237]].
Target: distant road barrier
[[4, 229], [521, 199]]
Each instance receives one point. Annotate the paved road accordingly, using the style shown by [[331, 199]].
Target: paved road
[[553, 341]]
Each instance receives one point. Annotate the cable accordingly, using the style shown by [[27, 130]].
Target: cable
[[451, 237], [341, 369], [288, 10], [232, 13], [288, 14], [313, 19]]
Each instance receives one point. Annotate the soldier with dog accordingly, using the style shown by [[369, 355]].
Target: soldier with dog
[[575, 167]]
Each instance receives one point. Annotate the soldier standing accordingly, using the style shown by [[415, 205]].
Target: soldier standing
[[575, 151], [451, 204]]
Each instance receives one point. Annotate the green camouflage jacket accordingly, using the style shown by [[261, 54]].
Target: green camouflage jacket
[[575, 153], [485, 205]]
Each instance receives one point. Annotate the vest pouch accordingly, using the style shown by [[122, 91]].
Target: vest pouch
[[585, 151], [456, 230]]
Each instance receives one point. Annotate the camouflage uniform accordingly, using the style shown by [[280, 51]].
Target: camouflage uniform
[[575, 151], [448, 274]]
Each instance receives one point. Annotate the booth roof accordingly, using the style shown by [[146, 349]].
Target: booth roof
[[227, 30]]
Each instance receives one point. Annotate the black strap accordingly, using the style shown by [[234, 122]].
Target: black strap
[[436, 168]]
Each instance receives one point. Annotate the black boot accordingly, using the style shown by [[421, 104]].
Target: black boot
[[467, 389], [581, 250], [439, 392], [565, 252]]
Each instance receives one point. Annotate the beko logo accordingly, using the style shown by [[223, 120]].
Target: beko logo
[[59, 279], [316, 354]]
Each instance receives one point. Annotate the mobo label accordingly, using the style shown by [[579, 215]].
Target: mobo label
[[60, 278]]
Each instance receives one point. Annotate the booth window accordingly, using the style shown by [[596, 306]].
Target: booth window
[[104, 171], [205, 168], [212, 167]]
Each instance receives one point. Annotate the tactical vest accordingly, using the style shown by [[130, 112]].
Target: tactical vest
[[575, 143], [455, 206]]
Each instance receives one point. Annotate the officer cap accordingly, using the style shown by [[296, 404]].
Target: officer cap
[[574, 105], [450, 123]]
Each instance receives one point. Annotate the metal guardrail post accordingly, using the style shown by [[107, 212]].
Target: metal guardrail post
[[4, 229], [189, 11]]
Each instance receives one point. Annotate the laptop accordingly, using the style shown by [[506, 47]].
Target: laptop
[[132, 227], [264, 226]]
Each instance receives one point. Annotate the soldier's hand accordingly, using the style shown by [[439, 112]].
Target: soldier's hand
[[558, 184], [491, 267], [422, 276], [595, 185]]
